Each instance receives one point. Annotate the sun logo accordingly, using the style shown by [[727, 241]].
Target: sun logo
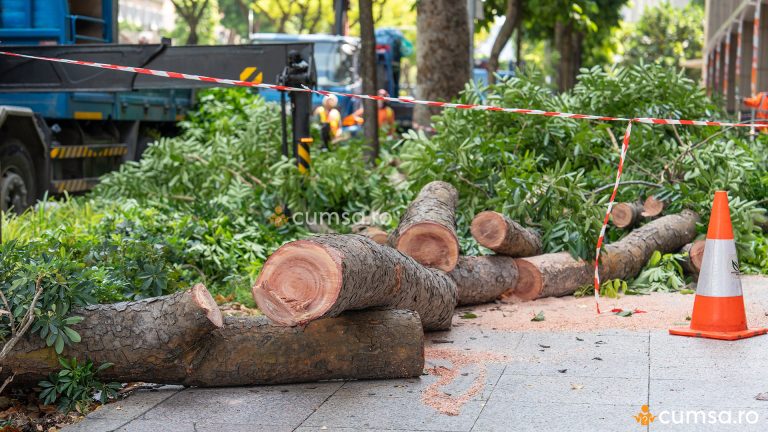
[[278, 219], [644, 417]]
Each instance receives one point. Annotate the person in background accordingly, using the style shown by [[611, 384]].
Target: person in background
[[386, 115], [330, 120]]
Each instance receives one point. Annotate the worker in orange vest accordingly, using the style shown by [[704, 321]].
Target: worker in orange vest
[[385, 115], [330, 120], [759, 103]]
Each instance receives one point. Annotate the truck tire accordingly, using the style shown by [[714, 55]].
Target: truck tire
[[17, 177]]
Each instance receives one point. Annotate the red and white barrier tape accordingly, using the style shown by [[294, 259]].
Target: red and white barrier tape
[[624, 147]]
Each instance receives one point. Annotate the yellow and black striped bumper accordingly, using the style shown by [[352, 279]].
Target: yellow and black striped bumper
[[304, 160], [88, 151], [75, 185]]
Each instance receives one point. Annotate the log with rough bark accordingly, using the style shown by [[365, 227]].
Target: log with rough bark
[[482, 279], [626, 215], [148, 340], [560, 274], [427, 230], [356, 345], [695, 252], [251, 351], [326, 275], [653, 207], [505, 236]]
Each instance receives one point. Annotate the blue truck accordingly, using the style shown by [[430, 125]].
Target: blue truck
[[63, 126]]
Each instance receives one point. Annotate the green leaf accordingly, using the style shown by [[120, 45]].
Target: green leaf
[[468, 315], [71, 334], [538, 317], [59, 346]]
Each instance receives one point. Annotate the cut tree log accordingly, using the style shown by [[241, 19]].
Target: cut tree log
[[356, 345], [695, 253], [560, 274], [326, 275], [250, 351], [505, 236], [482, 279], [626, 215], [149, 340], [653, 207], [427, 230]]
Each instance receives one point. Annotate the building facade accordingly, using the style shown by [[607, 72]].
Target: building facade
[[735, 54]]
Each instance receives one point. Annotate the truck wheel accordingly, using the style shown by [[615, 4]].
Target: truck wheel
[[17, 178]]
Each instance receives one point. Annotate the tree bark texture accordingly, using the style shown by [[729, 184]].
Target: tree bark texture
[[356, 345], [376, 234], [568, 41], [368, 73], [505, 236], [327, 275], [626, 214], [251, 351], [511, 18], [442, 54], [556, 275], [482, 279], [427, 229], [150, 340]]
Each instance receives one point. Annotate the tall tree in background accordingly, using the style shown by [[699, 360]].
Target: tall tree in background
[[192, 12], [442, 53], [666, 35], [368, 72], [511, 22]]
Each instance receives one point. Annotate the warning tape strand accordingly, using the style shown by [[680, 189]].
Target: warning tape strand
[[406, 100]]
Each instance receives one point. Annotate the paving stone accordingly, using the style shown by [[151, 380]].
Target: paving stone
[[136, 404], [476, 338], [156, 426], [390, 413], [618, 354], [90, 424], [567, 390], [666, 347], [235, 427], [413, 387], [693, 392], [272, 405], [504, 416]]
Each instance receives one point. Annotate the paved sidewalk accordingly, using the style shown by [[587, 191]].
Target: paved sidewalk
[[506, 381]]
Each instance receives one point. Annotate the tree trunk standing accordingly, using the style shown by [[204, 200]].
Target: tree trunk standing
[[149, 340], [568, 43], [482, 279], [368, 72], [505, 33], [191, 11], [442, 54], [326, 275], [427, 229]]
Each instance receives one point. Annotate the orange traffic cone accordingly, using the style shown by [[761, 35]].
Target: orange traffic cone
[[718, 310]]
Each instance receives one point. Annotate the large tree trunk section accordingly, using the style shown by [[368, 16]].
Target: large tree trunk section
[[626, 215], [442, 54], [427, 230], [148, 340], [356, 345], [250, 351], [482, 279], [653, 207], [505, 236], [695, 252], [323, 276], [560, 274]]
